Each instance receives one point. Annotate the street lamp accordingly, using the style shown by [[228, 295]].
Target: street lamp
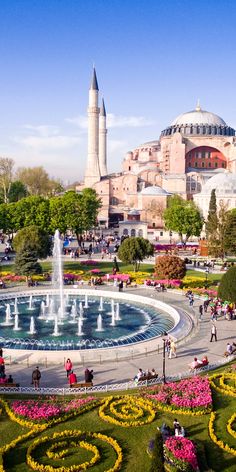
[[206, 272], [164, 335]]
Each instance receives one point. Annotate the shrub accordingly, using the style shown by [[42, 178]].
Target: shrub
[[157, 464], [170, 267], [227, 287]]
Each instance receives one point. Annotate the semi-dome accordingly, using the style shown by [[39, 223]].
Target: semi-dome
[[222, 183], [199, 122], [154, 190]]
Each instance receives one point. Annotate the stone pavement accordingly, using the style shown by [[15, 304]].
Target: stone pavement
[[121, 371]]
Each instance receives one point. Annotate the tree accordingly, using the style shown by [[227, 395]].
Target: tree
[[26, 262], [134, 250], [34, 239], [17, 191], [230, 232], [227, 287], [170, 267], [212, 220], [157, 463], [217, 239], [6, 175], [183, 217], [33, 210], [37, 181]]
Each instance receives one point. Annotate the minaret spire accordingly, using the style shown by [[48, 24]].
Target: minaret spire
[[92, 173], [102, 140], [198, 107]]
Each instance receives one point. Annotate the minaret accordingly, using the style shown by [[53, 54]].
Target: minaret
[[92, 173], [103, 140]]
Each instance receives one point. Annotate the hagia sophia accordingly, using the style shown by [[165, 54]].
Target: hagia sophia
[[195, 154]]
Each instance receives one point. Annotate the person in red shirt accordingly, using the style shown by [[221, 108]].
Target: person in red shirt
[[68, 367], [72, 378]]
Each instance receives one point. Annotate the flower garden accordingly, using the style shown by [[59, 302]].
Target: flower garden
[[111, 433]]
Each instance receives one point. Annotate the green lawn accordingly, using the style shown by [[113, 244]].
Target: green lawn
[[133, 440]]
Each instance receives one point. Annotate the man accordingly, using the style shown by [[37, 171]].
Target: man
[[213, 333], [200, 311], [36, 376], [195, 364]]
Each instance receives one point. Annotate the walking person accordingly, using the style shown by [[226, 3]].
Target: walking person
[[68, 367], [36, 376], [172, 349], [200, 311], [213, 332]]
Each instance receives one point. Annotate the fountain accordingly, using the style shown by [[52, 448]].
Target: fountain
[[113, 319], [16, 323], [99, 323], [112, 307], [31, 307], [73, 314], [32, 326], [86, 301], [80, 325], [56, 330], [81, 311], [101, 305], [42, 310], [8, 320], [47, 300], [16, 311], [57, 276], [117, 314]]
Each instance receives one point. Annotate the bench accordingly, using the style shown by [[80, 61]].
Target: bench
[[148, 377], [81, 385], [9, 385]]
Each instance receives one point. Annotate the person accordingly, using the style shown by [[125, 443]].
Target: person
[[172, 349], [213, 332], [72, 378], [10, 379], [165, 431], [191, 299], [195, 364], [68, 367], [153, 373], [200, 311], [2, 365], [36, 376], [121, 285], [205, 360], [229, 350], [88, 375], [3, 379], [176, 423]]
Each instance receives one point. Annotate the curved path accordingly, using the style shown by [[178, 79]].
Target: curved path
[[121, 371]]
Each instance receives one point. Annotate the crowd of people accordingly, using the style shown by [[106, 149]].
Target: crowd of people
[[4, 378], [145, 375], [177, 430], [71, 375]]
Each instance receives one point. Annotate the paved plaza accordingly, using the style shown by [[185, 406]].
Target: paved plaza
[[53, 372]]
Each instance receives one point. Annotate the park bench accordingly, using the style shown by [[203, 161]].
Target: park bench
[[81, 385], [148, 377], [9, 385]]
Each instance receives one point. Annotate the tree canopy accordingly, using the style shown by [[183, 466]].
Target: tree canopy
[[183, 217], [227, 287], [134, 250], [34, 239]]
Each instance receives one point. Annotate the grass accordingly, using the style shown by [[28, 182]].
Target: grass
[[133, 441]]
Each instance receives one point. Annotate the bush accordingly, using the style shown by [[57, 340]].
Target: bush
[[227, 287], [170, 267], [157, 464]]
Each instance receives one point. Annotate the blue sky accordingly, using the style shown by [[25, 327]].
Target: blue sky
[[154, 59]]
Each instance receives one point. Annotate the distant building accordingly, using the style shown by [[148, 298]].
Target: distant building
[[195, 149]]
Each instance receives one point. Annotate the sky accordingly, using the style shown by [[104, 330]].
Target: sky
[[154, 59]]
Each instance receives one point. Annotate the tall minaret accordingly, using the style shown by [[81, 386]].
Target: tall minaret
[[103, 140], [92, 173]]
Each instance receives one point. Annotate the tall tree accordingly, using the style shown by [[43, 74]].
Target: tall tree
[[6, 176], [38, 182], [17, 191], [34, 239], [217, 239], [134, 250], [212, 220], [230, 232], [33, 210], [183, 217]]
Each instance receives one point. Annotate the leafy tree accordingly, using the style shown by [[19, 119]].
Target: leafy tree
[[26, 262], [170, 267], [227, 287], [34, 239], [212, 220], [57, 214], [37, 181], [6, 175], [183, 217], [90, 204], [230, 232], [33, 210], [134, 250], [157, 463], [17, 191]]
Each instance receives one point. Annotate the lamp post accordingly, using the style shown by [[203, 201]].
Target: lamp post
[[164, 357]]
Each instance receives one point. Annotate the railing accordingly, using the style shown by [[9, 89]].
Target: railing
[[130, 385]]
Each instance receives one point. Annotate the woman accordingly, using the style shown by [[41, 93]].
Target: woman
[[68, 367]]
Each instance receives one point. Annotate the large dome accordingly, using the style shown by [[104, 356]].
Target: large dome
[[223, 184], [198, 117]]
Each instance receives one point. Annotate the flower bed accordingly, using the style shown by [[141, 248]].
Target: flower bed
[[127, 411], [38, 410], [175, 283], [191, 394], [181, 452], [89, 262]]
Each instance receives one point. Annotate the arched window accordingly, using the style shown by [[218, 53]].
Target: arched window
[[133, 232], [140, 233], [125, 232]]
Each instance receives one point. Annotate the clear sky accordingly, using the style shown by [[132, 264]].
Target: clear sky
[[154, 59]]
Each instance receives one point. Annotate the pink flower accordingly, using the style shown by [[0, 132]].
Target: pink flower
[[183, 449]]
